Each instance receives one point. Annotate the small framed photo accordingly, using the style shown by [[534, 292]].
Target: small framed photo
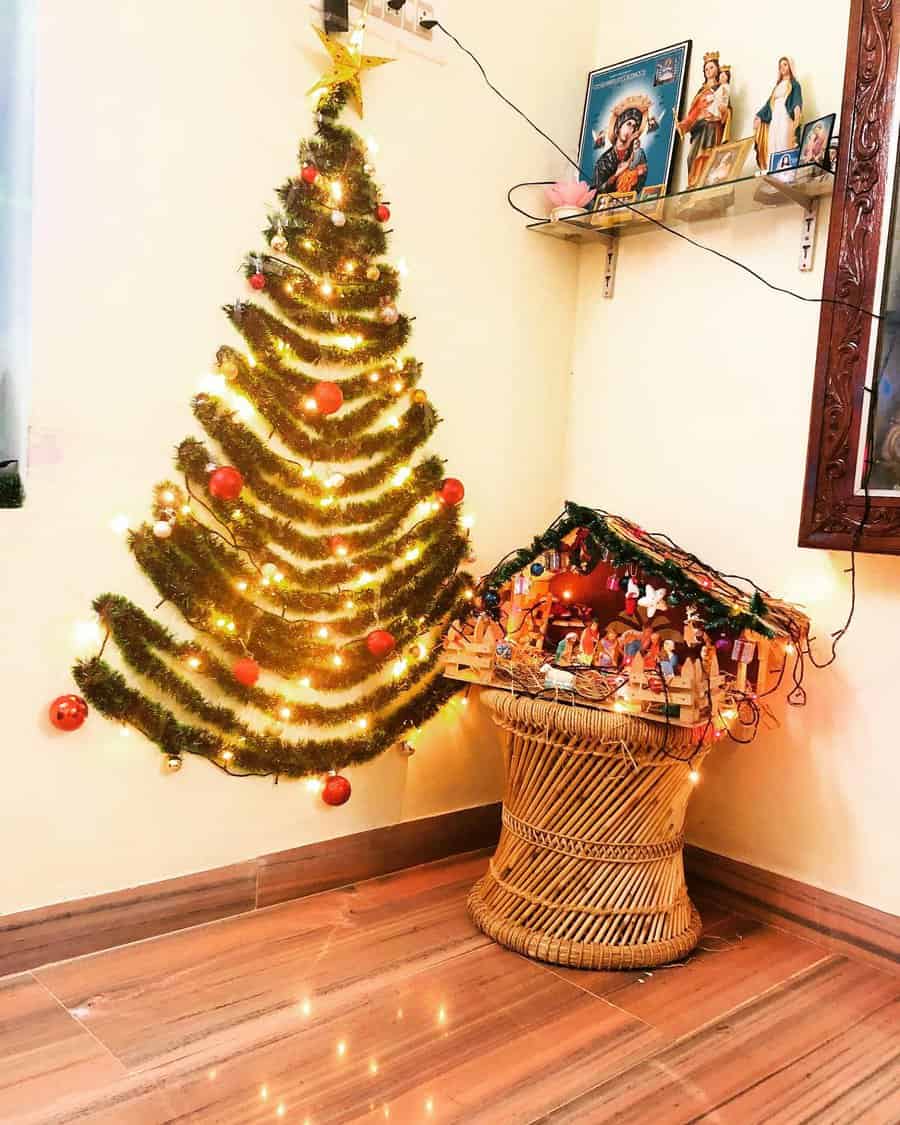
[[655, 194], [815, 139], [726, 162], [784, 160], [611, 208]]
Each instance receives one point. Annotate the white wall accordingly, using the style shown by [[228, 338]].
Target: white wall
[[690, 407], [161, 131]]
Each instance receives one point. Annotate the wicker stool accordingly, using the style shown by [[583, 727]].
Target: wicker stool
[[588, 871]]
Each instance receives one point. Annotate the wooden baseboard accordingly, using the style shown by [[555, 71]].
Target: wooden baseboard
[[838, 923], [32, 938]]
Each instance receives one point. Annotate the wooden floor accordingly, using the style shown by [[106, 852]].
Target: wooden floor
[[381, 1002]]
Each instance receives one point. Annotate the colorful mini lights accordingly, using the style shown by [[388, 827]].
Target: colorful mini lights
[[337, 660]]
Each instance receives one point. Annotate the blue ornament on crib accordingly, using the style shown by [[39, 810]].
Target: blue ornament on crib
[[504, 650], [537, 569], [491, 599]]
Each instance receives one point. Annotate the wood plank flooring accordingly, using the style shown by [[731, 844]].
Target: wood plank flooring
[[381, 1002]]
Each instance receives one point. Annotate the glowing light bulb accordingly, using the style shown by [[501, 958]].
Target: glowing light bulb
[[281, 1110], [365, 578], [285, 713], [468, 522], [362, 723], [435, 505], [729, 714], [169, 496], [194, 662], [220, 622], [442, 1014], [227, 755], [124, 731], [251, 360], [335, 480], [394, 422], [307, 244], [185, 509], [468, 595], [337, 660], [326, 289], [305, 1004], [694, 776], [264, 1092], [401, 476], [119, 524], [350, 267], [789, 649], [402, 267], [230, 627], [373, 1067], [86, 635], [305, 682], [619, 706], [412, 554], [337, 191], [341, 550], [349, 604], [567, 595], [397, 386], [429, 1105], [323, 632], [310, 404], [313, 784], [372, 146], [399, 668], [424, 507], [422, 650], [341, 1048], [236, 514], [211, 1073], [374, 376], [241, 585], [326, 501]]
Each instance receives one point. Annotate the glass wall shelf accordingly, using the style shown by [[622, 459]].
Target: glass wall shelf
[[757, 192]]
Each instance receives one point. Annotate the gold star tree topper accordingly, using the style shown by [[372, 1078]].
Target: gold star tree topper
[[346, 66]]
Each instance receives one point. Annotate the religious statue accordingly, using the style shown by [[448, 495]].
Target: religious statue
[[668, 663], [587, 646], [623, 165], [565, 650], [777, 124], [708, 119], [607, 652]]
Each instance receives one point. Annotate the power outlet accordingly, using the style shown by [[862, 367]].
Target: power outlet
[[393, 17], [424, 12]]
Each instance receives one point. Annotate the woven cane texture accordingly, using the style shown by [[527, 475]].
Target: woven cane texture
[[588, 871]]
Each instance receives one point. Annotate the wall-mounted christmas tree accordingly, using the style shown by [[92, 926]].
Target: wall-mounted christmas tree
[[308, 543]]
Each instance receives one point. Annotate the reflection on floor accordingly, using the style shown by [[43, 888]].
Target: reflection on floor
[[382, 1003]]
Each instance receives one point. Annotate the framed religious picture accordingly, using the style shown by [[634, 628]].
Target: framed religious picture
[[726, 162], [785, 160], [628, 125], [815, 139], [851, 498]]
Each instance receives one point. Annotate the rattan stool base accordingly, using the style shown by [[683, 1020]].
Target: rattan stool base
[[588, 872]]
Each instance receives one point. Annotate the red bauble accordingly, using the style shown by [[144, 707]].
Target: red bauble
[[380, 643], [68, 712], [225, 483], [336, 790], [329, 397], [258, 281], [382, 212], [452, 491], [309, 173], [246, 671]]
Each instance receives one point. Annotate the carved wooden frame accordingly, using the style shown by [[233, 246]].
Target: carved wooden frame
[[832, 511]]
